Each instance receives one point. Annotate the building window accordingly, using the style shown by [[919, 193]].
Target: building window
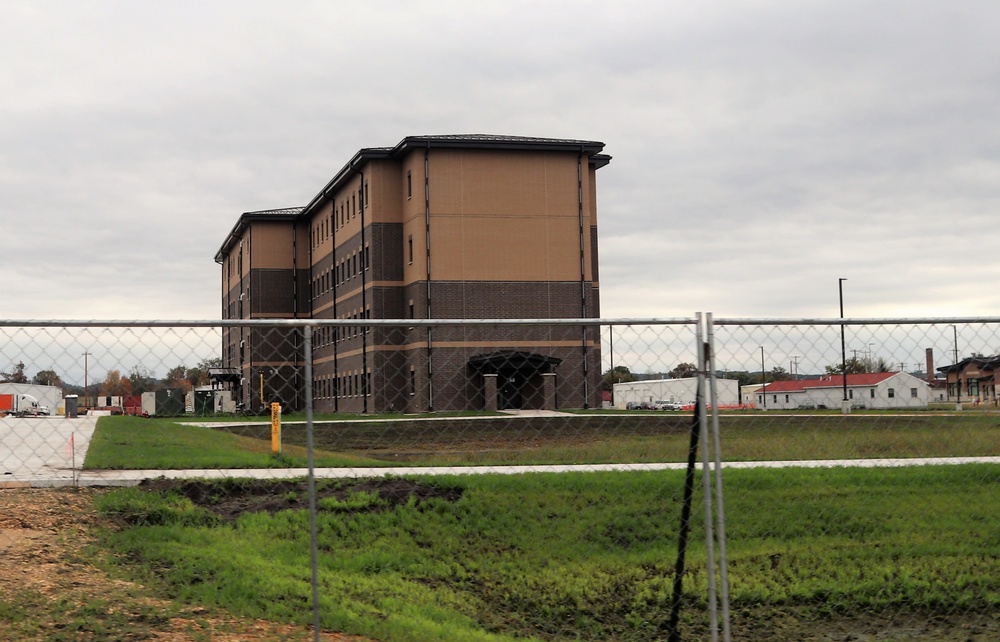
[[786, 398], [409, 184], [913, 393], [409, 245], [413, 381], [850, 394], [366, 194], [892, 393], [873, 393]]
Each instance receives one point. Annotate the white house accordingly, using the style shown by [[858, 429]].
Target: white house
[[677, 390], [869, 390]]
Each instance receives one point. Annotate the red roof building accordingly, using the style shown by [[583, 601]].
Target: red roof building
[[868, 390]]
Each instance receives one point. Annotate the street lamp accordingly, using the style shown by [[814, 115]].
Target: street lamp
[[958, 379], [85, 399], [611, 351], [763, 378], [845, 404]]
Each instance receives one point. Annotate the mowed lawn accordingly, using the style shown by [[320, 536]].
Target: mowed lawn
[[130, 442]]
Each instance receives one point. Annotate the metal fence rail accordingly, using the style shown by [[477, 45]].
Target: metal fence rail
[[403, 397]]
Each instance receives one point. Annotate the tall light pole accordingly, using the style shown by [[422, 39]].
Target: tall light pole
[[763, 378], [85, 402], [845, 404], [611, 352], [958, 379]]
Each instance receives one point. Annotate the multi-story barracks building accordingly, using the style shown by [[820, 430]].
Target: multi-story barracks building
[[437, 227]]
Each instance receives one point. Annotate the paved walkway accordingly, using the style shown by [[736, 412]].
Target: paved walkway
[[42, 452]]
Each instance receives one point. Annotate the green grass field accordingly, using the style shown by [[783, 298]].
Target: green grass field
[[586, 556], [583, 556], [130, 442]]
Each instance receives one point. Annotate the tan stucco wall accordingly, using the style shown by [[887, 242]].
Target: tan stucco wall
[[271, 246], [503, 216]]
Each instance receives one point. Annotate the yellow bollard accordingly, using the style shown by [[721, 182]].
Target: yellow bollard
[[275, 428]]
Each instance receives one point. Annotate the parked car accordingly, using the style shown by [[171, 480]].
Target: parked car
[[667, 405]]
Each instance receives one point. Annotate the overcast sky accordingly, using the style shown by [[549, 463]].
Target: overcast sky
[[762, 150]]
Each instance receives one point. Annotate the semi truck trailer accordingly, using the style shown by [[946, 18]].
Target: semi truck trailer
[[22, 405]]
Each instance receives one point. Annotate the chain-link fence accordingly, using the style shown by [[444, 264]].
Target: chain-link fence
[[860, 458]]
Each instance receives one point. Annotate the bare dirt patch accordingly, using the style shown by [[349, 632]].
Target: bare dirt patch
[[49, 589]]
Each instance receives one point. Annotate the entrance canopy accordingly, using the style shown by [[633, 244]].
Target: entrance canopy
[[224, 375], [505, 361]]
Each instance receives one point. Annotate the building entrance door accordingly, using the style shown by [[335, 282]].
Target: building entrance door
[[519, 382], [509, 395]]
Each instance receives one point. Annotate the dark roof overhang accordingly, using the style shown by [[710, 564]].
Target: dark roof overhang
[[224, 374], [590, 148], [984, 363], [513, 360], [289, 214]]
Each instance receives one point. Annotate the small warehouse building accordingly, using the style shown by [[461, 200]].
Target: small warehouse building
[[682, 391], [874, 390]]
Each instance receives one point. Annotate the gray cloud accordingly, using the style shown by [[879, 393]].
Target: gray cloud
[[761, 151]]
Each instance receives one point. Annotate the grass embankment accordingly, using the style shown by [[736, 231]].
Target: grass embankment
[[582, 556], [162, 444], [128, 442]]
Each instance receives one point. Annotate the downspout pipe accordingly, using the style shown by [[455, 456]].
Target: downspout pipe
[[296, 370], [583, 275], [336, 284], [427, 241], [365, 391]]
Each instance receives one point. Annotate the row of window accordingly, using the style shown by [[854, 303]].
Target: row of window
[[346, 210], [231, 263], [325, 336], [343, 386], [234, 309], [971, 388], [345, 270], [890, 393]]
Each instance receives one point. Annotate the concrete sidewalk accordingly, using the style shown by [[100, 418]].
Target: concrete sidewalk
[[43, 451]]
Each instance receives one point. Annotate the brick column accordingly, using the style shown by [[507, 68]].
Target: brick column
[[548, 391], [490, 392]]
